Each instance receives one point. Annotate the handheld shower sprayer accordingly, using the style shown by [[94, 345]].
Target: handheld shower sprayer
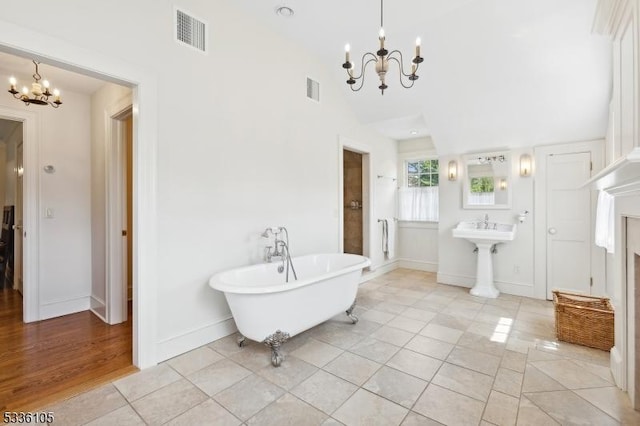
[[273, 230]]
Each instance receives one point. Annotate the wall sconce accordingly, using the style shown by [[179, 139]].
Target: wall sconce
[[503, 184], [453, 170], [525, 165]]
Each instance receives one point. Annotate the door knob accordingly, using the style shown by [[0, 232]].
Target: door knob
[[553, 231], [17, 227]]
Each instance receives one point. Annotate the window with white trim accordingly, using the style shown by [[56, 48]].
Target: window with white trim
[[418, 197]]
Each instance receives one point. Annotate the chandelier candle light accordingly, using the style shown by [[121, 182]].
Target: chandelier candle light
[[38, 96], [381, 59]]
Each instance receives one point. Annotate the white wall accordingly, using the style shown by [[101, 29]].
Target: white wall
[[65, 239], [384, 199], [417, 241], [101, 100], [513, 264], [422, 145], [239, 146]]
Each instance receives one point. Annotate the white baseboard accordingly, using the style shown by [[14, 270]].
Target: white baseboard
[[418, 265], [64, 307], [516, 289], [457, 280], [617, 369], [99, 308], [178, 345], [379, 270]]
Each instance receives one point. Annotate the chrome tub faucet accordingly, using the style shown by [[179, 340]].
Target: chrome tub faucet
[[279, 250]]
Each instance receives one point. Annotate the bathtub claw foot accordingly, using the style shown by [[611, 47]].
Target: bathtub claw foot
[[241, 340], [350, 314], [274, 341], [276, 359]]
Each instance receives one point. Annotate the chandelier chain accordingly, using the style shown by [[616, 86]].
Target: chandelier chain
[[37, 77]]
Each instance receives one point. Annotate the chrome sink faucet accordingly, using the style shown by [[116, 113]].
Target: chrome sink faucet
[[485, 224]]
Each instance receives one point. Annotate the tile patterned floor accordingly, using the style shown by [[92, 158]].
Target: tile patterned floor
[[421, 354]]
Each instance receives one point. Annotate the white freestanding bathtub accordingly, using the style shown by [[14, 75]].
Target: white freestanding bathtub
[[267, 309]]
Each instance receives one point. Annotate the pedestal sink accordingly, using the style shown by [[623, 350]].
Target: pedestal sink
[[485, 235]]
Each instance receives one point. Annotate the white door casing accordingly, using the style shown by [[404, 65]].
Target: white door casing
[[28, 236], [116, 191], [367, 193], [18, 234], [16, 39]]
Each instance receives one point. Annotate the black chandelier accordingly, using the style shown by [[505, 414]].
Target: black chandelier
[[381, 59], [39, 94]]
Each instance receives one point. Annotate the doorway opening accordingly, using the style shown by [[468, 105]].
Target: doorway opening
[[21, 41], [119, 202], [93, 351], [355, 197], [352, 196], [11, 199]]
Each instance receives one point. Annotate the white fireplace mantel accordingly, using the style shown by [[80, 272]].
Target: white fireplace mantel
[[620, 178]]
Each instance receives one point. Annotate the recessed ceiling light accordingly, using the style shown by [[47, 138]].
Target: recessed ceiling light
[[414, 132], [284, 11]]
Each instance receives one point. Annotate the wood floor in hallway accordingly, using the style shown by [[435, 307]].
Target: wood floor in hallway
[[50, 360]]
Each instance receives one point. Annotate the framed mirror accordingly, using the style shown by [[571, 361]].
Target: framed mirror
[[486, 182]]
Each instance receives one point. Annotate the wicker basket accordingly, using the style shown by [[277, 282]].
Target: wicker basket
[[584, 320]]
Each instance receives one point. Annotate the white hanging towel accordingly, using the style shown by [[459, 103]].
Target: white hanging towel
[[385, 239], [605, 221], [389, 237]]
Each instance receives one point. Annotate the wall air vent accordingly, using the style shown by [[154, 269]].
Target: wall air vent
[[313, 89], [190, 31]]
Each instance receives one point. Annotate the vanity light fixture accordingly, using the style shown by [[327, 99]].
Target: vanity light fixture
[[381, 59], [525, 165], [491, 159], [38, 95], [453, 170]]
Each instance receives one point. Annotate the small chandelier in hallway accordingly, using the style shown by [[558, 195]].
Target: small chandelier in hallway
[[381, 58], [39, 94]]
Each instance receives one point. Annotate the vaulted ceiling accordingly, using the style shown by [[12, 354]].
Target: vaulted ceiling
[[497, 73]]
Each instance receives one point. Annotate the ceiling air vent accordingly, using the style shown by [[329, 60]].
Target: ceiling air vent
[[313, 89], [190, 31]]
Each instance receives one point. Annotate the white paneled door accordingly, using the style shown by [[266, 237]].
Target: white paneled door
[[568, 224]]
